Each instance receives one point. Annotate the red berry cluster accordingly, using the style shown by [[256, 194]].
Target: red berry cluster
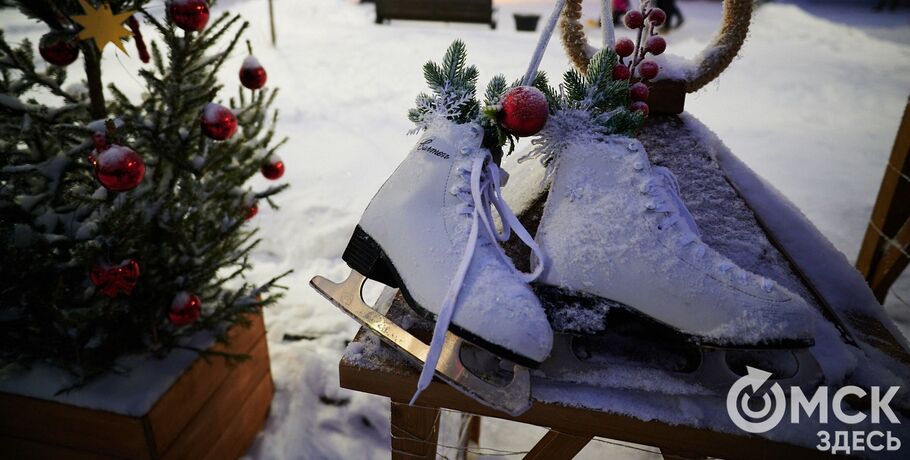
[[647, 42]]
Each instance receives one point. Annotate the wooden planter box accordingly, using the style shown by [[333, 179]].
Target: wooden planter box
[[213, 410]]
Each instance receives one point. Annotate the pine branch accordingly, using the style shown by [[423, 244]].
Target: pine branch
[[453, 88], [495, 89], [21, 60], [606, 100], [454, 61]]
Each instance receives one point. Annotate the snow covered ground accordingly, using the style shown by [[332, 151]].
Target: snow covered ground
[[812, 104]]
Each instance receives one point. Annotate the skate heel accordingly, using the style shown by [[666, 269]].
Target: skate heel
[[364, 255]]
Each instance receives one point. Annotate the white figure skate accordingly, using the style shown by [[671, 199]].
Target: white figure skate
[[430, 232], [615, 231]]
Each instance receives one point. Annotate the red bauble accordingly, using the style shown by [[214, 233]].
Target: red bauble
[[272, 169], [634, 19], [113, 279], [58, 49], [252, 211], [524, 111], [624, 47], [189, 15], [656, 45], [218, 122], [647, 69], [621, 72], [252, 74], [118, 168], [639, 106], [639, 92], [657, 16], [185, 309]]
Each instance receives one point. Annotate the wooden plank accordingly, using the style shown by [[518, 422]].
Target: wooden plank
[[889, 206], [246, 424], [415, 431], [399, 383], [76, 427], [174, 410], [892, 263], [557, 446], [195, 439], [24, 449]]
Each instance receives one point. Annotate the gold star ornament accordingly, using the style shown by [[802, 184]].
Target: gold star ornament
[[102, 25]]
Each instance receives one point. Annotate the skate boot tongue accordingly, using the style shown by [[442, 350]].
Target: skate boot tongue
[[480, 192]]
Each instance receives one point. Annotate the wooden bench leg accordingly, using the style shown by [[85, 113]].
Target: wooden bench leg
[[471, 441], [555, 445], [415, 431], [474, 430]]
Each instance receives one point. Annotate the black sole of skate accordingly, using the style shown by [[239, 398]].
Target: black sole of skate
[[367, 257], [622, 334], [616, 315]]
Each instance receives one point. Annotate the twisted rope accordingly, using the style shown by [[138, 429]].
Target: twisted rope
[[573, 36], [712, 61], [725, 46]]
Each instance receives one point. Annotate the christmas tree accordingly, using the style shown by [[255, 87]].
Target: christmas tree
[[124, 222]]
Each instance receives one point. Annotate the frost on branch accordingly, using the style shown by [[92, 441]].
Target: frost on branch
[[453, 85], [592, 105]]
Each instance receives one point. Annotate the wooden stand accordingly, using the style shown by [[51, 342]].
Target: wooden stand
[[213, 411], [883, 255], [415, 428]]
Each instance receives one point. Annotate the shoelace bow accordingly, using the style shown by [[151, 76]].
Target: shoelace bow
[[478, 202], [676, 211]]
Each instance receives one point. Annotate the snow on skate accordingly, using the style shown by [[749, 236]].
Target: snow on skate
[[430, 232], [614, 236]]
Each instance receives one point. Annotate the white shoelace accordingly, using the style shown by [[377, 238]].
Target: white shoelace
[[483, 195], [676, 212]]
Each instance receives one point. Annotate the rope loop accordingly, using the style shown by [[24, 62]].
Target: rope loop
[[716, 57]]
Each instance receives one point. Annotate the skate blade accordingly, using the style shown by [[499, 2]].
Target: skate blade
[[513, 398]]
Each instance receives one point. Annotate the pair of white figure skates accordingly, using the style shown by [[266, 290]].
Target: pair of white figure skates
[[613, 228]]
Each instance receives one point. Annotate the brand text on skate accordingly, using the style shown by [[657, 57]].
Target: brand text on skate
[[426, 145]]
